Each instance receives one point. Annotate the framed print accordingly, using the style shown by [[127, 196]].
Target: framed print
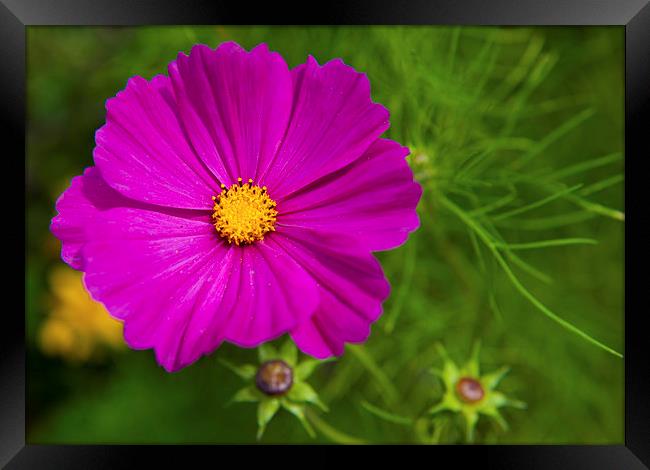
[[380, 224]]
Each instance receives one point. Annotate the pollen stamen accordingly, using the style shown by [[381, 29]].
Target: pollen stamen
[[243, 213]]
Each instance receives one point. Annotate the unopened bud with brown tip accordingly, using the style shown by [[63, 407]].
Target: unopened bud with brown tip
[[469, 390], [274, 377]]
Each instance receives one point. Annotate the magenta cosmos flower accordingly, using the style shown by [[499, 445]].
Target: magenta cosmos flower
[[238, 200]]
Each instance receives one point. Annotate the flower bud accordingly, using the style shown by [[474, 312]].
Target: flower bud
[[274, 377], [469, 390]]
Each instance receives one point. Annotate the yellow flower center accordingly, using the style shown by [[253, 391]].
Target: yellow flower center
[[243, 213]]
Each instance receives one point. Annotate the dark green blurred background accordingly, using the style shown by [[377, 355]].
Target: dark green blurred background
[[496, 118]]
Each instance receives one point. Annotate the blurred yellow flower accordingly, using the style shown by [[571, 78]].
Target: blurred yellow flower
[[77, 328]]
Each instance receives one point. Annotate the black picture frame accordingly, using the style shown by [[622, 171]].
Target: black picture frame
[[634, 15]]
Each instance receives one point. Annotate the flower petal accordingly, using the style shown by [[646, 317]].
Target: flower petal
[[78, 207], [142, 150], [182, 290], [154, 271], [352, 284], [372, 200], [333, 122], [235, 104], [276, 294]]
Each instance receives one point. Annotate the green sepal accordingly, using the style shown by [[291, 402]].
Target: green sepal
[[265, 411], [246, 371], [437, 408], [494, 414], [491, 381], [266, 352], [289, 353], [472, 368], [447, 403], [299, 412], [303, 392], [307, 366], [498, 400], [247, 394], [450, 373]]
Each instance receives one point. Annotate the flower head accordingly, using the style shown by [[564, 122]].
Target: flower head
[[278, 382], [77, 328], [471, 394], [238, 200]]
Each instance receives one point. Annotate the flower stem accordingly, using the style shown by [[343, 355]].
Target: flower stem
[[330, 432]]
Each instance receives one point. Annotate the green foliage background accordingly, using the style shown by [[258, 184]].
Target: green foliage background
[[497, 119]]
